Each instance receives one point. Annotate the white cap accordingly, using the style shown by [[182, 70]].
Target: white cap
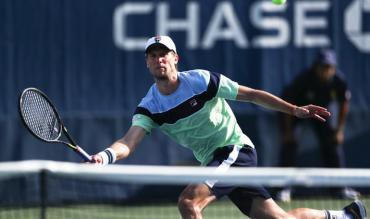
[[164, 40]]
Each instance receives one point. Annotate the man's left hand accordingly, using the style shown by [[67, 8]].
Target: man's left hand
[[312, 111]]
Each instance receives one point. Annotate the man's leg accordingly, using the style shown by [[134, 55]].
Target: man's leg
[[255, 202], [333, 156], [267, 208], [332, 153], [193, 200], [288, 153]]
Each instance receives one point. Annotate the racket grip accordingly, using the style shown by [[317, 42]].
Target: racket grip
[[83, 154]]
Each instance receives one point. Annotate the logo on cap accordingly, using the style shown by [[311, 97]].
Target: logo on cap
[[157, 39]]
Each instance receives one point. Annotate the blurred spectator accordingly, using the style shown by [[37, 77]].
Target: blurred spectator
[[322, 84]]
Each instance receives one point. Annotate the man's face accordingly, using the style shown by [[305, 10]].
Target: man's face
[[161, 62], [325, 72]]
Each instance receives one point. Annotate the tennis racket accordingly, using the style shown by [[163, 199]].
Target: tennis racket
[[41, 118]]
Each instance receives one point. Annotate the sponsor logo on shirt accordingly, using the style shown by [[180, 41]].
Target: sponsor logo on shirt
[[193, 102]]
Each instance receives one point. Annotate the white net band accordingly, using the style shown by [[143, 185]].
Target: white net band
[[273, 177]]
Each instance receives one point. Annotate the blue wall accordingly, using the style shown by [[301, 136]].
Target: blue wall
[[87, 55]]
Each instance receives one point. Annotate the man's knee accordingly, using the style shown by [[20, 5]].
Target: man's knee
[[188, 206], [193, 200]]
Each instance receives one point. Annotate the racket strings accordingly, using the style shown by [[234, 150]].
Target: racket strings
[[40, 116]]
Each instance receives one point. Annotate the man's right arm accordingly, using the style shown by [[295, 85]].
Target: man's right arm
[[121, 148]]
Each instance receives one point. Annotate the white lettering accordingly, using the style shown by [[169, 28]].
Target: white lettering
[[353, 23], [190, 24], [224, 12], [119, 23], [303, 22], [270, 23], [309, 24]]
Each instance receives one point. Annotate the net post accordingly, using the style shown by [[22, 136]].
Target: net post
[[43, 193]]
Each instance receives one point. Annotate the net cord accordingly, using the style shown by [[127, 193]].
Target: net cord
[[270, 176]]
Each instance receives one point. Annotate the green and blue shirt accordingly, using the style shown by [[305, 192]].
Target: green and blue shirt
[[196, 115]]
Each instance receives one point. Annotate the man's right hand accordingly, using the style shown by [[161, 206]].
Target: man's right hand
[[97, 159]]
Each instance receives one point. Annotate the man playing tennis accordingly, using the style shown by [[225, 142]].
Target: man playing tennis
[[190, 107]]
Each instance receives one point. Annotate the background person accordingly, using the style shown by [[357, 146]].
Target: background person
[[321, 84]]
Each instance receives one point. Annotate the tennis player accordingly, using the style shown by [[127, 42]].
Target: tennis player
[[190, 107]]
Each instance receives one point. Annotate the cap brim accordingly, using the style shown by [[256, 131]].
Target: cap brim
[[327, 62], [156, 46]]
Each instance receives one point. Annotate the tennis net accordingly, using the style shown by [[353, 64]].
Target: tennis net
[[47, 189]]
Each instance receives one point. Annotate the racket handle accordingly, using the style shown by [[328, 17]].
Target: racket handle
[[83, 154]]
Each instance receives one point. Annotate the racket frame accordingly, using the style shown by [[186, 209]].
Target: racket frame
[[83, 154]]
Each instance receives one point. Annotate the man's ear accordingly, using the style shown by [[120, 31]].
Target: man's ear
[[146, 62]]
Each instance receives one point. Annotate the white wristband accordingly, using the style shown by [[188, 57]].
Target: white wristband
[[108, 155]]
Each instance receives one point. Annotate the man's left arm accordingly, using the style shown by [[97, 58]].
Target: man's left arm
[[270, 101]]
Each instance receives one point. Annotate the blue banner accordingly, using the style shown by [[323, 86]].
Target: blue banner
[[88, 56]]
